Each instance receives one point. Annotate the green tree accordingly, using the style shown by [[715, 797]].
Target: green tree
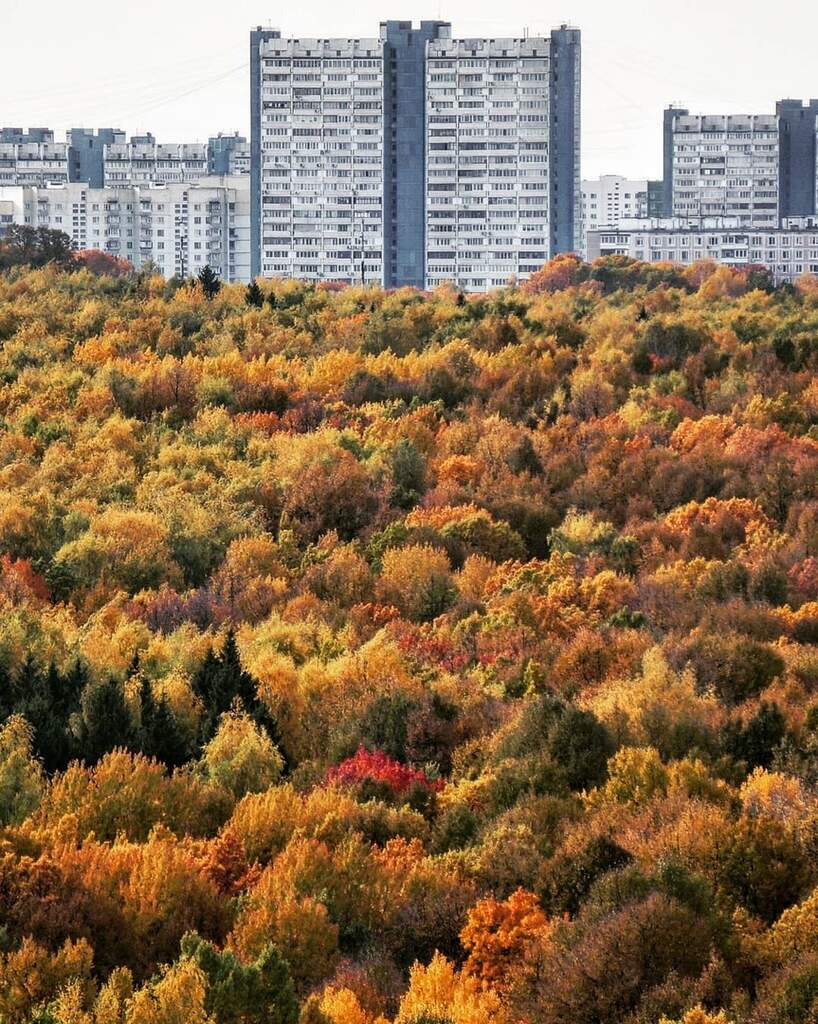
[[160, 734], [23, 245], [261, 992], [104, 721], [756, 742], [209, 280], [254, 296], [408, 474], [581, 746]]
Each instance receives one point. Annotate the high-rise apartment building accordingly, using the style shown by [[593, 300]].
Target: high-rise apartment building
[[319, 149], [414, 158], [178, 227], [493, 207], [798, 171], [761, 168], [726, 166]]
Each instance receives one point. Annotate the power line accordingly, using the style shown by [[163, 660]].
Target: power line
[[188, 92]]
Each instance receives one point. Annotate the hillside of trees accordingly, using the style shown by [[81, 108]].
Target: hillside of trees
[[386, 658]]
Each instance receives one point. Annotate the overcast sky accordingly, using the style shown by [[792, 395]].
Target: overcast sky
[[180, 70]]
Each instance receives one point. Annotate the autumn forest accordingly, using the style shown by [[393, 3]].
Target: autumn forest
[[377, 657]]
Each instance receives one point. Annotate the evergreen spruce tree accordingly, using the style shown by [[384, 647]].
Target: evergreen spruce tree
[[47, 712], [219, 681], [33, 696], [73, 683], [209, 280], [6, 700], [254, 295], [160, 735], [236, 682], [261, 992], [25, 682], [105, 721]]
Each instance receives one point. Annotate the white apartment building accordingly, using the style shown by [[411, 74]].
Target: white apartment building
[[33, 163], [487, 160], [322, 159], [144, 161], [608, 200], [179, 227], [787, 252], [726, 167]]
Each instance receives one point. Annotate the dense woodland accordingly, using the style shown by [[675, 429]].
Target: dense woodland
[[376, 657]]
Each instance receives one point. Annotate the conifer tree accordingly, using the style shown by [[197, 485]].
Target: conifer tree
[[221, 680], [254, 295], [209, 280], [104, 722], [261, 992]]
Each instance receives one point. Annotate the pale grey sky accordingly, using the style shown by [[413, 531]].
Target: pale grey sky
[[181, 69]]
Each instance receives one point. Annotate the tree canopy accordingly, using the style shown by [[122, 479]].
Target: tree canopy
[[378, 656]]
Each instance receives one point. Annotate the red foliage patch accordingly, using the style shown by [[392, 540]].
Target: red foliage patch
[[375, 766]]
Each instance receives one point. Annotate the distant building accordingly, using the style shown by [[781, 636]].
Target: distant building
[[26, 135], [656, 199], [414, 158], [760, 168], [798, 177], [144, 161], [33, 161], [179, 227], [105, 156], [726, 166], [788, 251], [609, 199]]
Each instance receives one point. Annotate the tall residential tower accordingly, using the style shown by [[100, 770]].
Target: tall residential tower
[[413, 157], [760, 169]]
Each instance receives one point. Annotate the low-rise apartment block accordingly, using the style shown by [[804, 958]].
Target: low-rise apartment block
[[105, 156], [787, 252], [144, 161], [31, 162], [178, 227]]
